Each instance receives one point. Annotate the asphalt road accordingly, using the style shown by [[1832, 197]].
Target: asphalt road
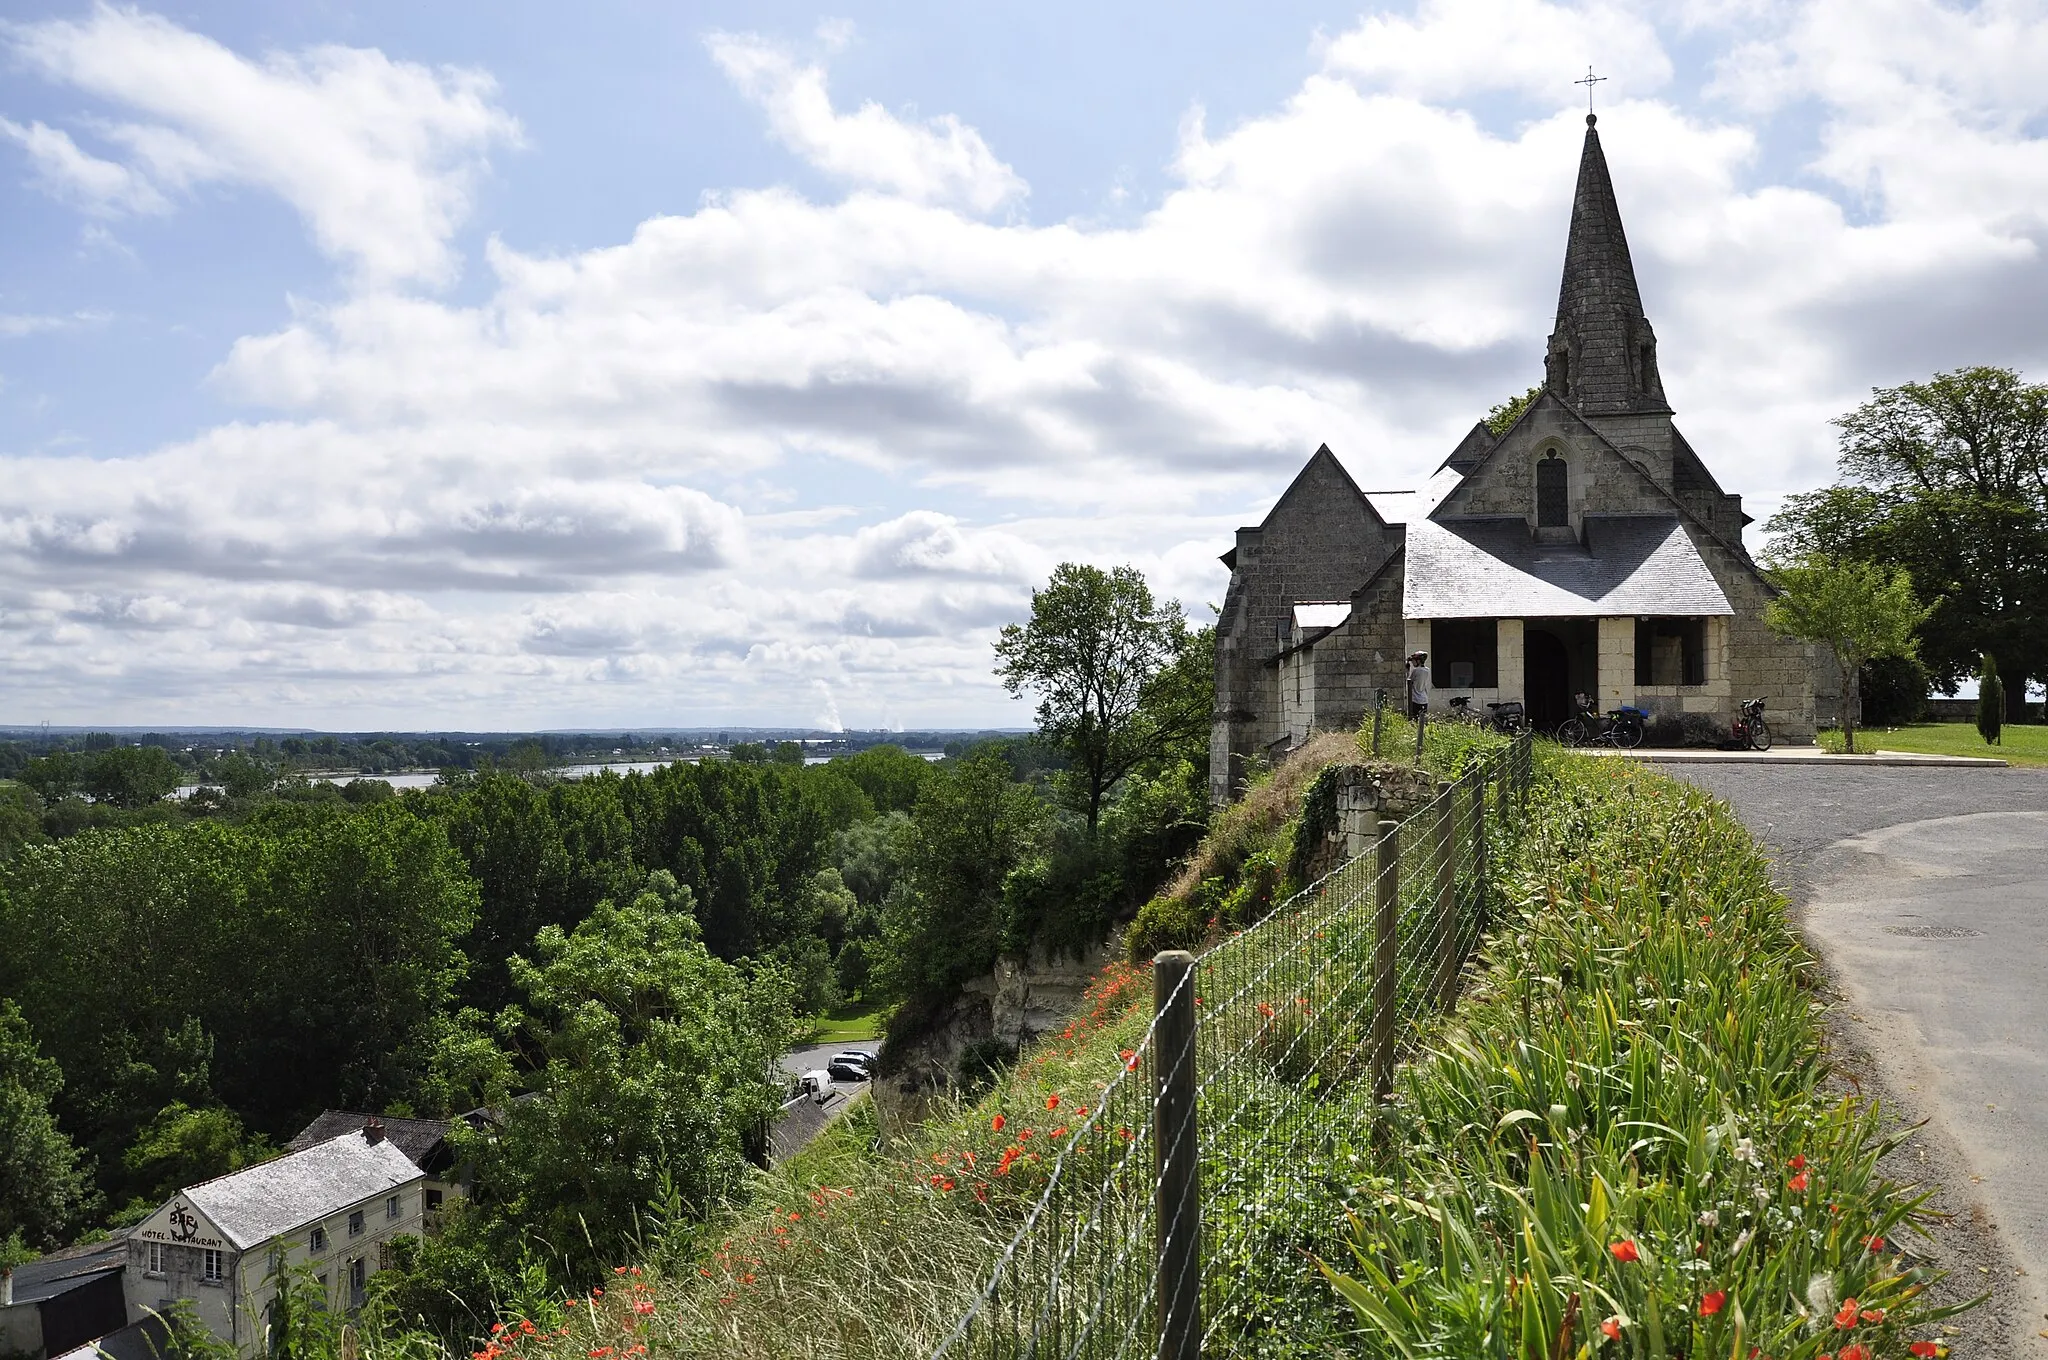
[[803, 1119], [1925, 894]]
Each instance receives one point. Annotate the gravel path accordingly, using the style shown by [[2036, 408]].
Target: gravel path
[[1925, 895]]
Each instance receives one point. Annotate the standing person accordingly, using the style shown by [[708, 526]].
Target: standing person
[[1418, 685]]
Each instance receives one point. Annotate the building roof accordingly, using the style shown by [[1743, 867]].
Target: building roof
[[259, 1202], [1494, 568], [63, 1271], [419, 1139], [1599, 306], [149, 1339]]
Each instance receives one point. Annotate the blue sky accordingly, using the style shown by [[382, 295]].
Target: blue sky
[[371, 365]]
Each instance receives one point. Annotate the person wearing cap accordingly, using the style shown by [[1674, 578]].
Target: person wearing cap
[[1418, 684]]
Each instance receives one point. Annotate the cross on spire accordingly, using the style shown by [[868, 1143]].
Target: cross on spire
[[1589, 82]]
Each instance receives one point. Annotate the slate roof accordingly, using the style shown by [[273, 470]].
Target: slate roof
[[1493, 568], [259, 1202], [63, 1271], [149, 1339], [419, 1139]]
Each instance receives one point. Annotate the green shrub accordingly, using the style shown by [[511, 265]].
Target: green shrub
[[1893, 690], [1990, 701], [1173, 922]]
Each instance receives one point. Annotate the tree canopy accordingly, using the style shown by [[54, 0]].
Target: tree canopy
[[1948, 479], [1119, 676], [1858, 609]]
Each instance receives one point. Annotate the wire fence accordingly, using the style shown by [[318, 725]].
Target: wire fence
[[1192, 1175]]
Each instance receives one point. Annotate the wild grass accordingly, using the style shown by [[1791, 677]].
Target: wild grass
[[1622, 1145], [2026, 745]]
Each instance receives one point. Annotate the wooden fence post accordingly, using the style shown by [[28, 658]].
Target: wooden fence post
[[1479, 849], [1448, 933], [1379, 714], [1386, 957], [1177, 1206]]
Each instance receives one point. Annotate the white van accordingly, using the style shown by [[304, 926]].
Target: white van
[[817, 1084]]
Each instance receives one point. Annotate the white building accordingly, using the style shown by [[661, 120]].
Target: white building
[[333, 1206]]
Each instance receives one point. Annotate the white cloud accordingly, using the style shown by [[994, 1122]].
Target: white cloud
[[95, 185], [926, 543], [1452, 48], [378, 156], [941, 160]]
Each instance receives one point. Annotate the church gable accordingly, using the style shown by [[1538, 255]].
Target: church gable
[[1586, 475]]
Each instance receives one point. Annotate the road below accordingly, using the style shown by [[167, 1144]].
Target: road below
[[1925, 894], [803, 1118]]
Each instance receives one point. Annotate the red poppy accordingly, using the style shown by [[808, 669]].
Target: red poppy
[[997, 1123], [1874, 1243], [1854, 1352], [1052, 1102], [1798, 1163], [1873, 1316], [1130, 1057], [1926, 1350], [1611, 1329], [1798, 1182], [1625, 1252], [1847, 1317], [1713, 1303]]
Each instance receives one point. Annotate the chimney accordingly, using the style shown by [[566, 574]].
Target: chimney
[[373, 1131]]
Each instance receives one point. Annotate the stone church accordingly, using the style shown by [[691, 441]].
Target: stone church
[[1585, 550]]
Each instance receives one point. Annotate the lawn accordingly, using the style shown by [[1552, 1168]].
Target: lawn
[[849, 1024], [2021, 745]]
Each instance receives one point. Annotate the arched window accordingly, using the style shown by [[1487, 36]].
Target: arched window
[[1553, 503]]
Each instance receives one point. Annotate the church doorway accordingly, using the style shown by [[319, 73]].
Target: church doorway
[[1548, 683], [1561, 657]]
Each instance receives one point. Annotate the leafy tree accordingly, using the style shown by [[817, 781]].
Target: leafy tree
[[184, 1146], [972, 827], [1990, 702], [132, 776], [1949, 479], [44, 1191], [1894, 691], [54, 775], [21, 818], [889, 775], [242, 775], [650, 1064], [1095, 646], [1500, 418], [1859, 610]]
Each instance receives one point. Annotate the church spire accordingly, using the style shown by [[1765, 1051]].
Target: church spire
[[1603, 355]]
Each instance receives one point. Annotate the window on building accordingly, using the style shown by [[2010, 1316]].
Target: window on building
[[1464, 653], [1553, 496], [357, 1274], [1671, 651], [433, 1200], [391, 1207], [212, 1265], [155, 1264], [355, 1224], [317, 1239]]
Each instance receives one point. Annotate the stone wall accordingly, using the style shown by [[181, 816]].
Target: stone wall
[[1322, 541]]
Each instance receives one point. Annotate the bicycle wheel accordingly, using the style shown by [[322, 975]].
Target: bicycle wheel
[[1628, 734], [1571, 732], [1760, 735]]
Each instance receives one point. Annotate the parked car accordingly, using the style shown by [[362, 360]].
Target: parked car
[[841, 1070], [860, 1058]]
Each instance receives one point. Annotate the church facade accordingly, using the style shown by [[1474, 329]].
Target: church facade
[[1585, 549]]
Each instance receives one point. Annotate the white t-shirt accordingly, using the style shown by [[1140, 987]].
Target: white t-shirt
[[1418, 684]]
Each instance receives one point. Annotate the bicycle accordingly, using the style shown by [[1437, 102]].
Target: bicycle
[[1507, 716], [1622, 728], [1750, 729]]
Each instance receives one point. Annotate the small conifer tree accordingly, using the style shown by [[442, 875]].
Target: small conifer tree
[[1990, 701]]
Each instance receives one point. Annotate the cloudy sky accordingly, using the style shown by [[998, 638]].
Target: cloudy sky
[[500, 364]]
